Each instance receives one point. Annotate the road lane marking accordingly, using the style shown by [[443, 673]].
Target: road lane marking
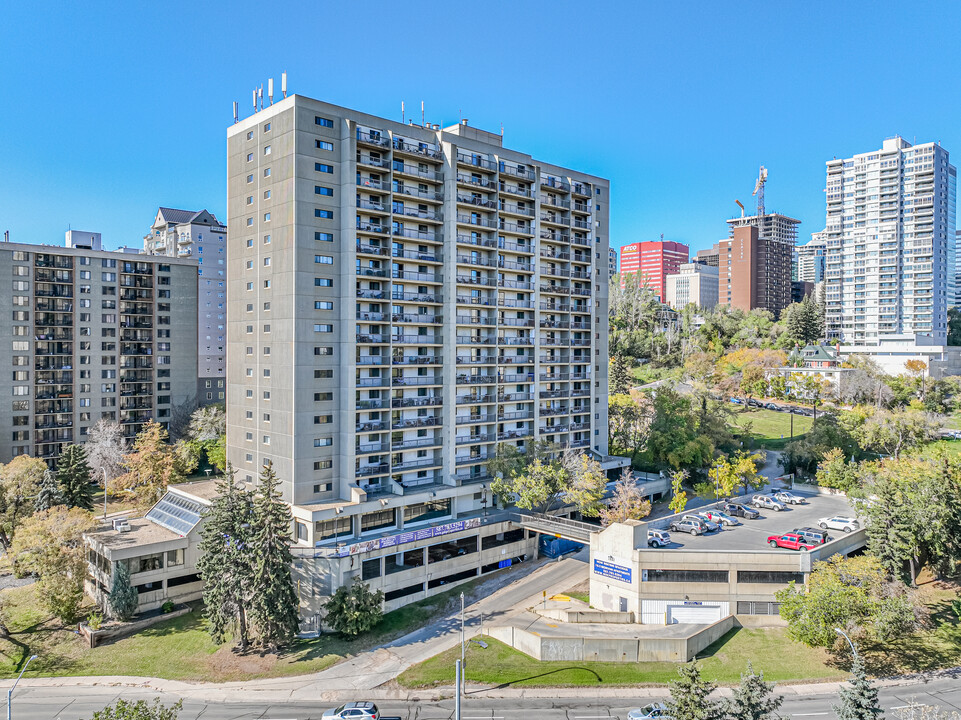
[[807, 714]]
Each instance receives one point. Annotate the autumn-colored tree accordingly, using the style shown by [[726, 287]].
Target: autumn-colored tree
[[151, 467], [678, 494], [627, 502], [917, 368], [20, 482]]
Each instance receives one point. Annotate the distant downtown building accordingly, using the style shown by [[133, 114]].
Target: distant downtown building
[[652, 261], [809, 259], [612, 262], [402, 299], [90, 335], [890, 234], [694, 283], [200, 236], [755, 262]]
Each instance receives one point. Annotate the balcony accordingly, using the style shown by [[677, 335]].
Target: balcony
[[413, 212], [418, 172], [370, 426], [431, 195], [418, 464], [476, 439], [476, 181], [373, 183], [477, 220], [556, 183], [475, 399], [518, 171], [373, 138], [371, 448], [472, 320], [414, 443], [375, 404], [417, 339], [581, 189], [468, 477], [476, 201], [412, 381], [475, 379], [370, 227], [420, 149], [417, 234], [372, 160], [416, 297], [475, 359], [406, 402], [420, 318], [472, 459], [369, 470], [479, 240], [514, 341], [515, 434], [429, 421], [476, 419]]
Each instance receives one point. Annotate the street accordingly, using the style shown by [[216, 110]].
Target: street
[[79, 703]]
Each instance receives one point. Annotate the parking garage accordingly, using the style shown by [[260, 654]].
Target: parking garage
[[701, 579]]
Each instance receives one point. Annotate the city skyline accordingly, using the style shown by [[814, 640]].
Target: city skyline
[[696, 160]]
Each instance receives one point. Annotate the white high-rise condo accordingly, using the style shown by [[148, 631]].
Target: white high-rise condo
[[199, 235], [890, 248], [403, 298]]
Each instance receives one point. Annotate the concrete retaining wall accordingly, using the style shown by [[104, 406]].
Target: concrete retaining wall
[[115, 631], [612, 649], [586, 616]]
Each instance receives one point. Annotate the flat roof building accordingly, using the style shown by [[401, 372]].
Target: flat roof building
[[88, 335], [694, 283], [402, 299], [651, 262]]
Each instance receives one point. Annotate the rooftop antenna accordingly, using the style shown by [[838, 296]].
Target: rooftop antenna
[[270, 90], [236, 113], [403, 116], [740, 206], [502, 129], [283, 83], [759, 190], [422, 113], [255, 99]]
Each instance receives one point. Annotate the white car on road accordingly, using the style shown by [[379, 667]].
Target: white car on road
[[353, 711], [839, 522], [654, 711]]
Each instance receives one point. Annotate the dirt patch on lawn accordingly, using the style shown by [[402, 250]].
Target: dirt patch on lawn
[[228, 664]]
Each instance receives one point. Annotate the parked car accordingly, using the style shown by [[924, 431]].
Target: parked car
[[771, 406], [815, 535], [754, 403], [711, 526], [654, 711], [766, 501], [839, 522], [789, 498], [658, 538], [694, 527], [354, 711], [716, 516], [790, 541], [738, 510]]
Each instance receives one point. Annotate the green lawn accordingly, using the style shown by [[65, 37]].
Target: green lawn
[[180, 648], [768, 426], [768, 649]]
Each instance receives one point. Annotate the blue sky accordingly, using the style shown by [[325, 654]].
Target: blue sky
[[109, 112]]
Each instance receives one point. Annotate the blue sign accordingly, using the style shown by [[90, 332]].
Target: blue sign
[[504, 564], [611, 571]]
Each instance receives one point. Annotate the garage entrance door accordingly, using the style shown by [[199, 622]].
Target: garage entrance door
[[693, 614]]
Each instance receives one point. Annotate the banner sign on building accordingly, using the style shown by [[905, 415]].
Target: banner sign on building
[[611, 571], [408, 537]]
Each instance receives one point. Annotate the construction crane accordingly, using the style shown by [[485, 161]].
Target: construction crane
[[740, 205], [759, 190]]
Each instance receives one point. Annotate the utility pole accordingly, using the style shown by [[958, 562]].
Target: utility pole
[[458, 672], [459, 686]]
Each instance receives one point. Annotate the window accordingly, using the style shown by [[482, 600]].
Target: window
[[319, 396], [323, 351], [250, 178], [324, 237], [323, 419], [328, 214], [323, 442], [379, 520], [266, 172], [267, 127], [267, 150], [323, 167], [370, 569], [324, 259], [323, 282], [267, 217], [323, 145], [323, 122], [250, 157], [323, 328], [336, 527], [321, 190], [769, 576], [318, 374], [323, 464], [427, 511], [323, 305], [692, 576], [266, 262], [266, 239]]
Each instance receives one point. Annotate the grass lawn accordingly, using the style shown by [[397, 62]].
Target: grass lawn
[[180, 648], [951, 447], [767, 426], [768, 649]]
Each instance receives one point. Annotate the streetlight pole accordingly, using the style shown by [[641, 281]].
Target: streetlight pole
[[843, 634], [10, 691], [461, 643], [104, 470], [458, 671]]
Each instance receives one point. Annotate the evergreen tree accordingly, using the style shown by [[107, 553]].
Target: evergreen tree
[[274, 607], [225, 562], [123, 597], [753, 699], [354, 609], [860, 700], [49, 495], [688, 699], [620, 376], [73, 474]]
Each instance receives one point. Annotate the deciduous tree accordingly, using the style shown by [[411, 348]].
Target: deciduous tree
[[20, 481], [678, 494], [627, 502], [151, 467], [106, 447], [139, 710]]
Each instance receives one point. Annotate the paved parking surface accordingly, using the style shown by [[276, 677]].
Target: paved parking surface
[[753, 534]]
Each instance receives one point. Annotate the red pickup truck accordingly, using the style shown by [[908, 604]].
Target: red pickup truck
[[790, 541]]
